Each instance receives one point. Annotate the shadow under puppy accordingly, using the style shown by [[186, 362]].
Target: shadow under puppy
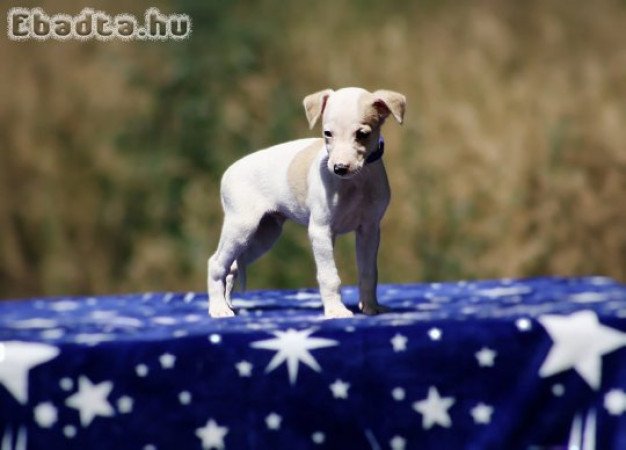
[[332, 185]]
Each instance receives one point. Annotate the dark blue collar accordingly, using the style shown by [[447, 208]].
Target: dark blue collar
[[378, 153]]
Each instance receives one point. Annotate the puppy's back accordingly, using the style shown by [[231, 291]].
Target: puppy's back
[[260, 179]]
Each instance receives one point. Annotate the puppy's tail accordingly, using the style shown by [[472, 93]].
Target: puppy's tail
[[241, 276]]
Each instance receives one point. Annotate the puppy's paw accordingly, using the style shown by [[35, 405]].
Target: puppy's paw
[[337, 312], [220, 309], [373, 310]]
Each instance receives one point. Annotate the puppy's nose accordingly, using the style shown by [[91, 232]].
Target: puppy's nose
[[341, 169]]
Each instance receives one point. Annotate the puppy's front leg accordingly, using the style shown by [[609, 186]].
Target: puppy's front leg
[[322, 242], [367, 241]]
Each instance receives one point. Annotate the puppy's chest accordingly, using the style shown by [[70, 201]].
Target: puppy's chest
[[350, 206]]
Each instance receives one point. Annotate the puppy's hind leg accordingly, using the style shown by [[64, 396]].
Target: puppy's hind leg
[[231, 278], [236, 235], [265, 236], [237, 275], [261, 241]]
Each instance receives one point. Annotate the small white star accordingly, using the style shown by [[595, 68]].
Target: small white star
[[180, 333], [103, 316], [167, 360], [504, 291], [588, 297], [399, 343], [273, 421], [482, 413], [141, 370], [397, 443], [558, 390], [615, 402], [91, 400], [92, 339], [212, 435], [164, 320], [149, 447], [486, 357], [69, 431], [45, 415], [398, 394], [63, 305], [66, 384], [523, 324], [434, 409], [125, 404], [435, 334], [184, 398], [55, 333], [215, 338], [244, 368], [36, 323], [340, 389], [304, 296], [318, 437]]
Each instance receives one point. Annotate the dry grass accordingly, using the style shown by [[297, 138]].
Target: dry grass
[[512, 161]]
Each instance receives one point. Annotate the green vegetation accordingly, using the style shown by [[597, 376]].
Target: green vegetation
[[512, 161]]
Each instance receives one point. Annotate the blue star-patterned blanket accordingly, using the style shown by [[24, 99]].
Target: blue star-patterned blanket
[[508, 364]]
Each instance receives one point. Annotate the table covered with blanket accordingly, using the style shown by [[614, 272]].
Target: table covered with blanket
[[505, 365]]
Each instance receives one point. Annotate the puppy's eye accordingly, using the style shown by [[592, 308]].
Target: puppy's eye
[[328, 134], [362, 134]]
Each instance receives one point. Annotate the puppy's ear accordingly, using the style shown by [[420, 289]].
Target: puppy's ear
[[387, 102], [314, 105]]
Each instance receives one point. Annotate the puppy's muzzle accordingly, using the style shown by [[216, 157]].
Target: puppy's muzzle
[[341, 169]]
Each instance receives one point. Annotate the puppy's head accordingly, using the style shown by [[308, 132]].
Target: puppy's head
[[351, 122]]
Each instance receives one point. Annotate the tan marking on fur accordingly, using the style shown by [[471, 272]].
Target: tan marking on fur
[[298, 171], [369, 114]]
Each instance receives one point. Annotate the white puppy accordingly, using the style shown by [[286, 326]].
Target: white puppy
[[332, 185]]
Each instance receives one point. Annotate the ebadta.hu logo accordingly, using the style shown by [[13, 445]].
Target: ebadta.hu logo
[[35, 23]]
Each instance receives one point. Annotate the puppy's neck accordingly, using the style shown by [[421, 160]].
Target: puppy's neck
[[378, 153]]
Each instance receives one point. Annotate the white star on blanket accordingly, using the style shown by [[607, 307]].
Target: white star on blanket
[[580, 341], [293, 347]]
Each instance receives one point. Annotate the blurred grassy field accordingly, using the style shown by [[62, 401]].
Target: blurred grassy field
[[512, 160]]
